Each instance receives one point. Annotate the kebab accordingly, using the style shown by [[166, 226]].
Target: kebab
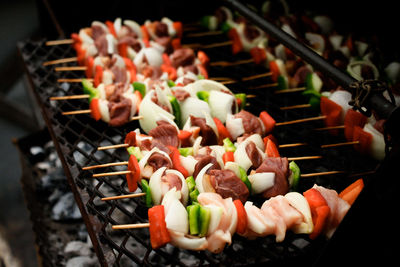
[[319, 211]]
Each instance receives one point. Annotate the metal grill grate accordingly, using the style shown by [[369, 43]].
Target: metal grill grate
[[77, 138]]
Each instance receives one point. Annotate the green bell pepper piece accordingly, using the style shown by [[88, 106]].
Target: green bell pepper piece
[[176, 109], [191, 183], [89, 89], [146, 189], [225, 27], [204, 220], [244, 178], [171, 83], [194, 214], [282, 83], [200, 77], [203, 95], [313, 82], [205, 21], [141, 87], [243, 99], [294, 176], [193, 196], [186, 151], [228, 145], [133, 150], [315, 102]]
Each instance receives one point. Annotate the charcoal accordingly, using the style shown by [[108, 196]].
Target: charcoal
[[66, 208], [78, 248], [82, 261]]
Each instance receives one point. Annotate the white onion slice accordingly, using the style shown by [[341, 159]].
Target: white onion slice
[[221, 104], [203, 184], [241, 156], [178, 239], [216, 215], [143, 161], [176, 216], [195, 107], [299, 202], [261, 181], [134, 26], [155, 186], [234, 126], [184, 190], [377, 148], [342, 98], [104, 111], [188, 163]]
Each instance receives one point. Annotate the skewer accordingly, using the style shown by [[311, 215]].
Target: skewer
[[201, 34], [69, 97], [112, 146], [290, 90], [110, 173], [227, 63], [71, 68], [300, 120], [59, 42], [200, 46], [296, 106], [105, 165], [330, 128], [292, 145], [341, 144], [124, 196], [268, 85], [75, 112], [319, 174], [59, 61], [131, 226], [73, 80], [304, 158], [262, 75]]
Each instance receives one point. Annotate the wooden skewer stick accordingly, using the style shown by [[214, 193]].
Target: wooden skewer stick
[[292, 145], [300, 120], [124, 196], [201, 34], [330, 128], [112, 146], [319, 174], [71, 68], [67, 97], [268, 85], [290, 90], [341, 144], [110, 174], [221, 79], [131, 226], [59, 61], [59, 42], [73, 80], [304, 158], [296, 106], [201, 46], [262, 75], [105, 165], [227, 63], [75, 112]]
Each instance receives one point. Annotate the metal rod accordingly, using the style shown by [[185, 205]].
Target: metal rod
[[377, 102]]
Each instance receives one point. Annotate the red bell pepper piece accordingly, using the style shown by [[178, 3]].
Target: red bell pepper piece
[[222, 131], [351, 192], [176, 161], [228, 156], [172, 75], [98, 76], [159, 235], [203, 71], [241, 217], [184, 137], [110, 26], [94, 109], [274, 68], [146, 36], [139, 99], [89, 67], [258, 54], [133, 177], [332, 113], [123, 50], [353, 118], [131, 68], [364, 139], [319, 210], [204, 59], [177, 25], [166, 59], [268, 121], [271, 150], [76, 38], [130, 138], [176, 43], [236, 42]]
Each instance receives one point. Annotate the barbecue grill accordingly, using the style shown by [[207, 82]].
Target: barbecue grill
[[77, 137]]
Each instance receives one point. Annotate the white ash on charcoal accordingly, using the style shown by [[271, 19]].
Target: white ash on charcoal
[[66, 208]]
